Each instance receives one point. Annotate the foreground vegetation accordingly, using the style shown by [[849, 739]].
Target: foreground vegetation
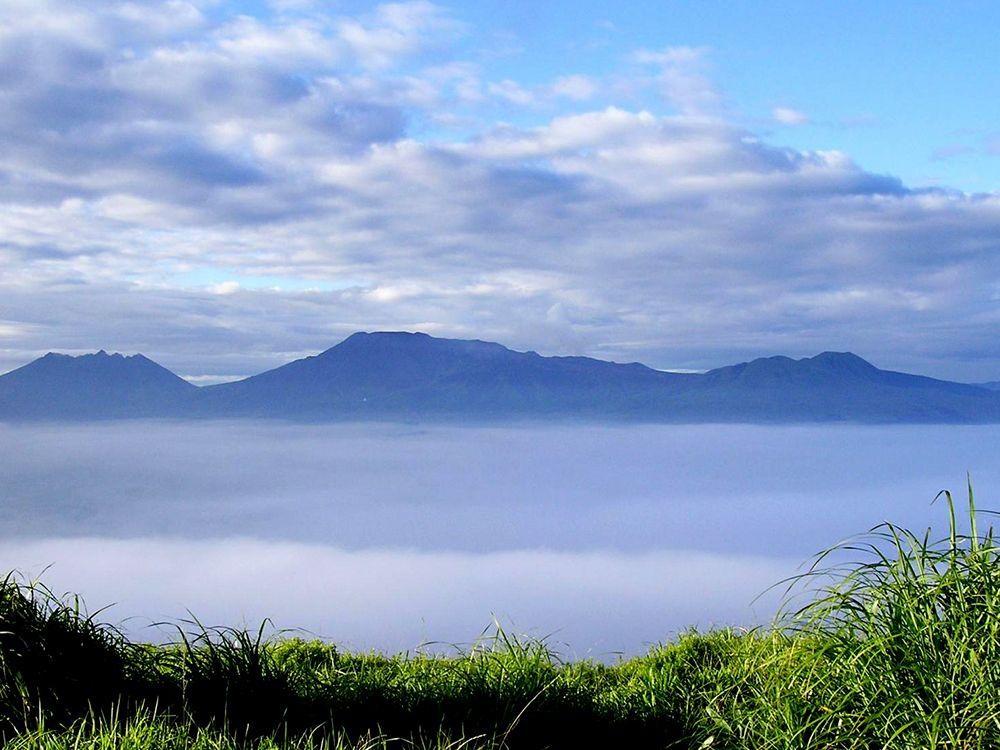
[[896, 644]]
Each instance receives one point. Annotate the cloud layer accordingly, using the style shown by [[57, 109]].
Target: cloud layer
[[593, 605], [389, 536], [731, 489], [224, 191]]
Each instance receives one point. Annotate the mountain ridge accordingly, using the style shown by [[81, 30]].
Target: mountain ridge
[[98, 385], [393, 375]]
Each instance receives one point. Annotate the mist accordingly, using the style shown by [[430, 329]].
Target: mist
[[390, 536], [584, 603]]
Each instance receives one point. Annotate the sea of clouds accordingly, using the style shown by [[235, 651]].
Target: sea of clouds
[[389, 536]]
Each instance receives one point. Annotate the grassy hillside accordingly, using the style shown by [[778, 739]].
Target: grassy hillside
[[896, 644]]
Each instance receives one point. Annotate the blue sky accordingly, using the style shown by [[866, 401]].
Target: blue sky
[[226, 185], [904, 87]]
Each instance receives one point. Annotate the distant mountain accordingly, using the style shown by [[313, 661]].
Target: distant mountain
[[413, 376], [93, 386], [993, 385], [839, 386]]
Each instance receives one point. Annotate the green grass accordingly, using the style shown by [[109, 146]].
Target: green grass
[[894, 643]]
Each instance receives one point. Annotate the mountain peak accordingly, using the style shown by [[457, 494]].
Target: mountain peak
[[843, 357], [96, 385], [843, 362], [101, 358], [412, 344], [369, 338], [827, 366], [100, 367]]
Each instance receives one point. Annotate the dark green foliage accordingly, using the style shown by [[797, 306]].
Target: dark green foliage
[[58, 660], [896, 645]]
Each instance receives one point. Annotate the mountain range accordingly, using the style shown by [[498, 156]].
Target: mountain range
[[414, 376]]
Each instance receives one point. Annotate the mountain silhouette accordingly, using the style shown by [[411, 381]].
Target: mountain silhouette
[[838, 386], [414, 376], [92, 386]]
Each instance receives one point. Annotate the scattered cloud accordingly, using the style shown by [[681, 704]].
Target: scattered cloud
[[682, 76], [789, 116], [512, 92], [396, 30], [671, 56], [573, 88], [576, 87], [225, 287]]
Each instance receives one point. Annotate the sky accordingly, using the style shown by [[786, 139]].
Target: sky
[[225, 186]]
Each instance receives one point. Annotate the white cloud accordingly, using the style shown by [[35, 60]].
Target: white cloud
[[563, 135], [512, 92], [396, 30], [201, 380], [10, 329], [225, 287], [398, 600], [680, 55], [576, 87], [162, 19], [541, 525], [682, 78], [300, 43], [789, 116]]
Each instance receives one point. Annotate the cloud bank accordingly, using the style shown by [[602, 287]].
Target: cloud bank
[[387, 536], [594, 604], [725, 489], [224, 191]]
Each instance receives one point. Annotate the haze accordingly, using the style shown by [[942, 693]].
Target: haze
[[387, 536]]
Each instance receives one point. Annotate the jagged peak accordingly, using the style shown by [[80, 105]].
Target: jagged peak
[[101, 355], [831, 362]]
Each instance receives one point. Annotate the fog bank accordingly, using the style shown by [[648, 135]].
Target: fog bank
[[387, 536], [725, 488], [589, 603]]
